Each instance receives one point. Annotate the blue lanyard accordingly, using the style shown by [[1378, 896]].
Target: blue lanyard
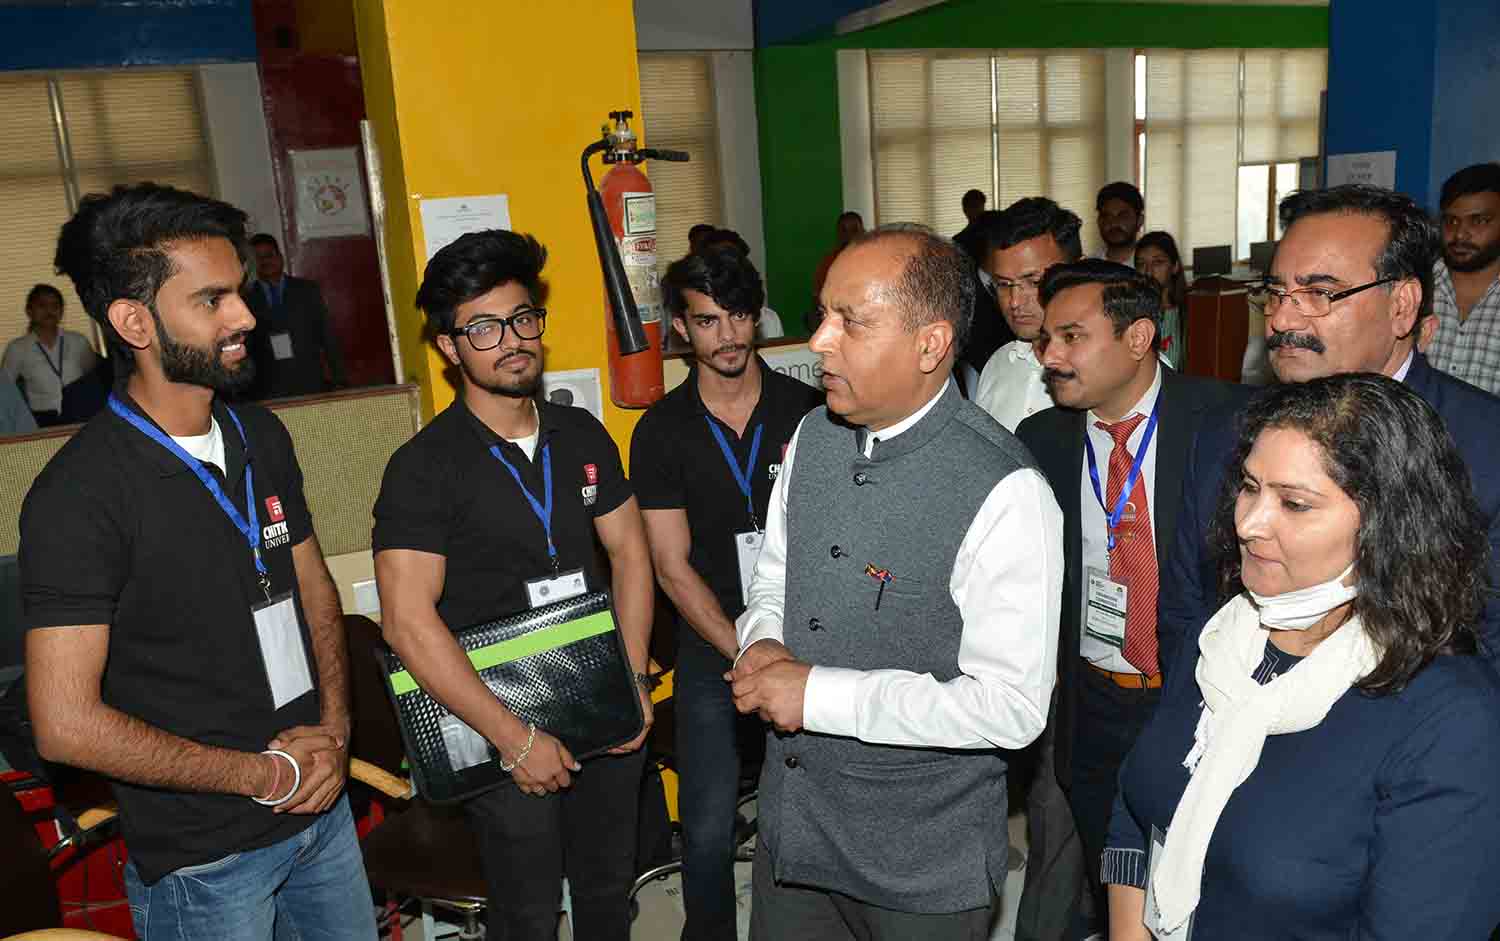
[[249, 529], [1113, 518], [741, 477], [57, 367], [543, 510]]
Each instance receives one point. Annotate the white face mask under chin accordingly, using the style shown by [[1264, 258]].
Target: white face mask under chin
[[1298, 610]]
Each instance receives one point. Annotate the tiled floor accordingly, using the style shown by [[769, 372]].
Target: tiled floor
[[660, 917]]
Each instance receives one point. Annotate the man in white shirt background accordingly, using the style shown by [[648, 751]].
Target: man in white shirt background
[[47, 358], [1466, 281], [910, 626], [1025, 240]]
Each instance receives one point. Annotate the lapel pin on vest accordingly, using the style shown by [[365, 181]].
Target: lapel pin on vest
[[883, 576]]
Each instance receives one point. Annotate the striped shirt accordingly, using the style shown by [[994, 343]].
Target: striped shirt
[[1466, 348]]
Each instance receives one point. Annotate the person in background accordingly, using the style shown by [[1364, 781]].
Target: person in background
[[1466, 281], [1122, 213], [703, 461], [47, 358], [697, 234], [1113, 450], [1024, 241], [768, 324], [1156, 255], [1323, 762], [1347, 291], [296, 351], [971, 239], [15, 417], [849, 225]]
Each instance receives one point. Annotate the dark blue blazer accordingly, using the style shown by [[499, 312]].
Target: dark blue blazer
[[1189, 588]]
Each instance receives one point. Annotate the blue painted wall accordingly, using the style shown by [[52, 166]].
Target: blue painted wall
[[1466, 88], [1428, 95], [116, 33], [785, 21]]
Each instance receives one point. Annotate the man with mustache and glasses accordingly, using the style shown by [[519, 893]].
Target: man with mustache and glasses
[[1350, 283], [1113, 450], [491, 509], [186, 639], [703, 461], [1466, 282]]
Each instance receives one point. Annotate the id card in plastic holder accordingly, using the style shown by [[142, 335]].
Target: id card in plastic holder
[[281, 649], [1104, 615], [554, 588], [747, 548]]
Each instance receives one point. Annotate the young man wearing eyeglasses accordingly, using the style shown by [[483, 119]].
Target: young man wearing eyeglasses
[[1347, 292], [498, 496], [1024, 241]]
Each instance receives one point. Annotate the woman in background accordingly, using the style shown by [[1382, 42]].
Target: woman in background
[[1156, 255]]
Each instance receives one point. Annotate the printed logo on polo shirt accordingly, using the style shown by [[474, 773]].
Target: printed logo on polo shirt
[[276, 534], [774, 470], [591, 492]]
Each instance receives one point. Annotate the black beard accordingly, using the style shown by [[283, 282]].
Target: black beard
[[726, 373], [181, 362], [1479, 260], [1127, 239], [519, 389]]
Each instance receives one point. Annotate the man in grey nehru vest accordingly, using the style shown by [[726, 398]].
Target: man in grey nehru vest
[[902, 622]]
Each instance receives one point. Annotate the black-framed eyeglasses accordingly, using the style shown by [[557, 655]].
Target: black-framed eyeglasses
[[486, 333], [1311, 302]]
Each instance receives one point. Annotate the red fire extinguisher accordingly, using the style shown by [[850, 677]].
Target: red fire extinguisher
[[623, 212]]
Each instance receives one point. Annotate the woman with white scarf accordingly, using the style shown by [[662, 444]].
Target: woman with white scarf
[[1327, 765]]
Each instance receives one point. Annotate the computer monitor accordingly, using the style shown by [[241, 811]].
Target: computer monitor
[[1214, 260], [1260, 256]]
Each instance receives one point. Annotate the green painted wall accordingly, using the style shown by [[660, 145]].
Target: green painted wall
[[796, 88]]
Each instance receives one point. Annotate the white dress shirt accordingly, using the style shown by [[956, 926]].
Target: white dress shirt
[[27, 359], [1011, 387], [1007, 585], [1091, 517]]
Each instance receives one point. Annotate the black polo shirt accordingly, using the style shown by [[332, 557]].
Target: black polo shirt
[[118, 531], [445, 493], [676, 464]]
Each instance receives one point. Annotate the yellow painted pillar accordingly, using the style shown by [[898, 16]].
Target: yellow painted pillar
[[472, 99]]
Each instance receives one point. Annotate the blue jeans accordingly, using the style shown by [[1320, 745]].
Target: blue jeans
[[310, 887], [709, 735]]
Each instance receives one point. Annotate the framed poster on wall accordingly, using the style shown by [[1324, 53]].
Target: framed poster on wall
[[330, 193]]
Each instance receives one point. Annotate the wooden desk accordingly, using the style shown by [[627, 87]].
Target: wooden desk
[[1218, 327]]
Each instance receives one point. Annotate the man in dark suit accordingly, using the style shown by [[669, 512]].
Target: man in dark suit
[[295, 350], [1348, 289], [1113, 450]]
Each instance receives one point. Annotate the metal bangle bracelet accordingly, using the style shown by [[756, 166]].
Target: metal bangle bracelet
[[296, 779]]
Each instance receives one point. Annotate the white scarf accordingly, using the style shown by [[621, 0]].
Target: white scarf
[[1237, 716]]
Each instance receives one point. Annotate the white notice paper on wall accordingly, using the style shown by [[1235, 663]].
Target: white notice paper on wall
[[1377, 169], [576, 387], [444, 220]]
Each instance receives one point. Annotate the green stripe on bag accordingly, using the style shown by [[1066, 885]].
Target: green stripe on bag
[[506, 651]]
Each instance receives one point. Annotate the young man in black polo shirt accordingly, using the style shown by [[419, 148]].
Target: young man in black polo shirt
[[703, 461], [185, 637], [461, 527]]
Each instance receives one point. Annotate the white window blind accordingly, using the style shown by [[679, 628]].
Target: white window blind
[[121, 127], [1010, 123], [677, 112], [931, 127], [1210, 111]]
